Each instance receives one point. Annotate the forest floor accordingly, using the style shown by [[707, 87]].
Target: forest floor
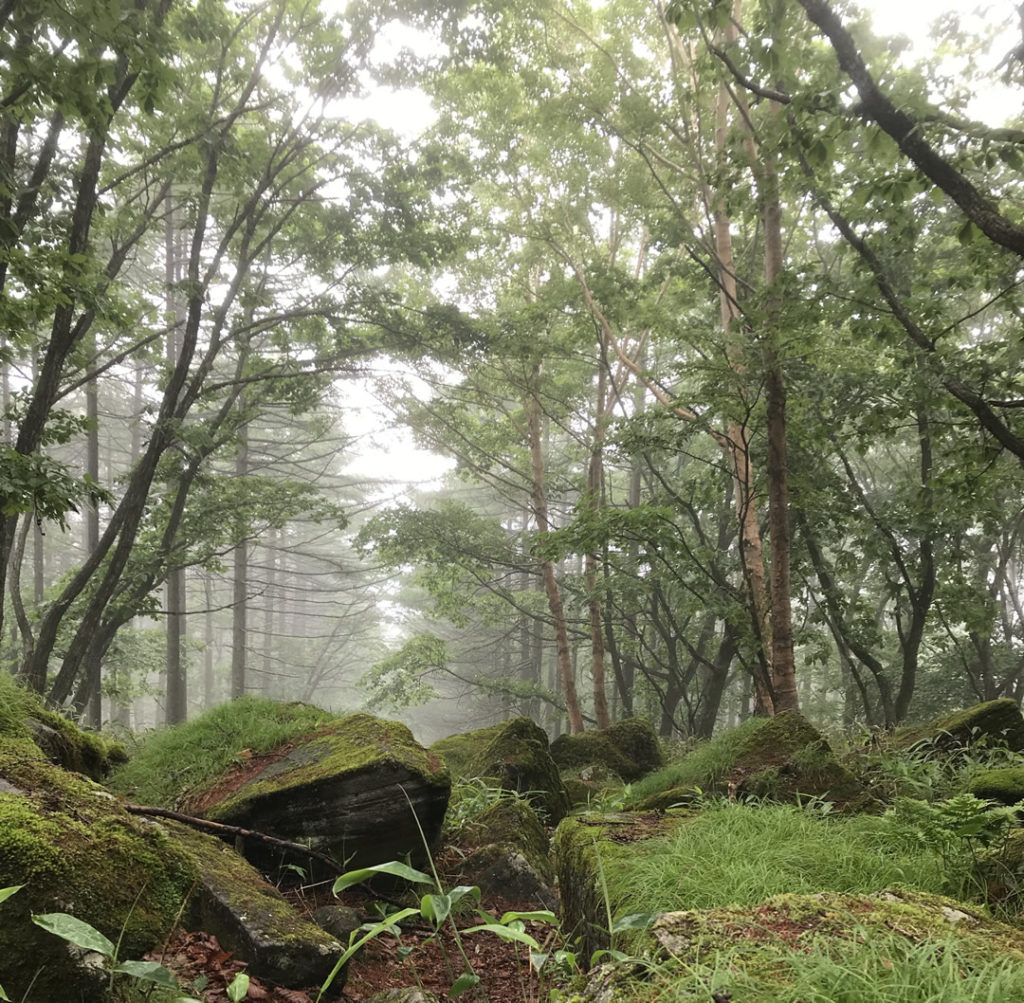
[[431, 962]]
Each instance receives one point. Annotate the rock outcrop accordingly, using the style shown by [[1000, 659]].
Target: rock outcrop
[[997, 722], [356, 788], [629, 749], [514, 755]]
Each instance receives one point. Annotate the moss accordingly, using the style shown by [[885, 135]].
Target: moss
[[586, 850], [995, 722], [462, 752], [512, 823], [77, 851], [628, 748], [346, 745], [1005, 785], [783, 758]]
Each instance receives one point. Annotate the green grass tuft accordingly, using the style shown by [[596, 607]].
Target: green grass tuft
[[177, 759], [16, 706], [738, 854], [702, 766]]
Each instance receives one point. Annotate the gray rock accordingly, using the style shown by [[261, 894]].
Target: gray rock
[[338, 920], [404, 996]]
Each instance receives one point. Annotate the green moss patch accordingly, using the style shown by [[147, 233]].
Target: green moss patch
[[997, 722], [630, 749]]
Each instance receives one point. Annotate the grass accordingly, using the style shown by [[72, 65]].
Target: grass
[[701, 767], [16, 705], [739, 854], [883, 969], [170, 761]]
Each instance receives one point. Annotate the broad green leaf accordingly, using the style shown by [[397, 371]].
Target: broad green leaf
[[239, 988], [76, 931], [151, 971], [436, 908], [467, 980], [634, 921], [536, 916], [6, 893], [392, 867], [505, 933]]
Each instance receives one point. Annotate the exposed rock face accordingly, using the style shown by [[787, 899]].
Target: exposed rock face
[[782, 758], [629, 748], [995, 722], [354, 789], [516, 755], [76, 850], [1004, 785]]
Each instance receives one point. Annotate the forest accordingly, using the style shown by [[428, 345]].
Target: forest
[[708, 311]]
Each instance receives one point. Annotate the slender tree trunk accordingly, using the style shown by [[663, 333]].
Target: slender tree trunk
[[595, 491], [554, 595], [93, 668], [240, 587]]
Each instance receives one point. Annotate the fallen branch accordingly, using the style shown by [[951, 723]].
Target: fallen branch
[[219, 829]]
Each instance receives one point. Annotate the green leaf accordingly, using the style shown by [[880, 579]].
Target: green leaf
[[634, 921], [536, 916], [239, 988], [467, 980], [505, 933], [436, 908], [392, 867], [151, 971], [968, 233], [75, 931], [6, 893]]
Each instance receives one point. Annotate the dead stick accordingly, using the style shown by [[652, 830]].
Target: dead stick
[[233, 830]]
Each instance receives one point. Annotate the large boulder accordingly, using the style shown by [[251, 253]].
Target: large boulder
[[629, 748], [357, 788], [781, 758], [75, 850], [997, 722], [516, 756]]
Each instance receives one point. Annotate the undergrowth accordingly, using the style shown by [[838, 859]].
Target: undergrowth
[[170, 761], [882, 968], [701, 767], [741, 854]]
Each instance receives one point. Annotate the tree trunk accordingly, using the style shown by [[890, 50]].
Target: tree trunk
[[554, 595], [240, 587]]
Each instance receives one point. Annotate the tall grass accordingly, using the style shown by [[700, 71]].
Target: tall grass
[[173, 760], [739, 854], [885, 968], [702, 766]]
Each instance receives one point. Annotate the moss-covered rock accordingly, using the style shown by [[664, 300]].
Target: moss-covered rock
[[782, 758], [354, 788], [252, 919], [1005, 785], [516, 756], [75, 850], [629, 748], [507, 853], [22, 715], [997, 722], [462, 752], [587, 848]]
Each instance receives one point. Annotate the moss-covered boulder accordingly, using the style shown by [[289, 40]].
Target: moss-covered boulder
[[74, 849], [629, 748], [782, 950], [997, 722], [1004, 785], [354, 788], [22, 715], [515, 755], [782, 758], [587, 848], [507, 853], [252, 919]]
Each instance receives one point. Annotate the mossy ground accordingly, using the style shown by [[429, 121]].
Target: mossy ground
[[994, 722]]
